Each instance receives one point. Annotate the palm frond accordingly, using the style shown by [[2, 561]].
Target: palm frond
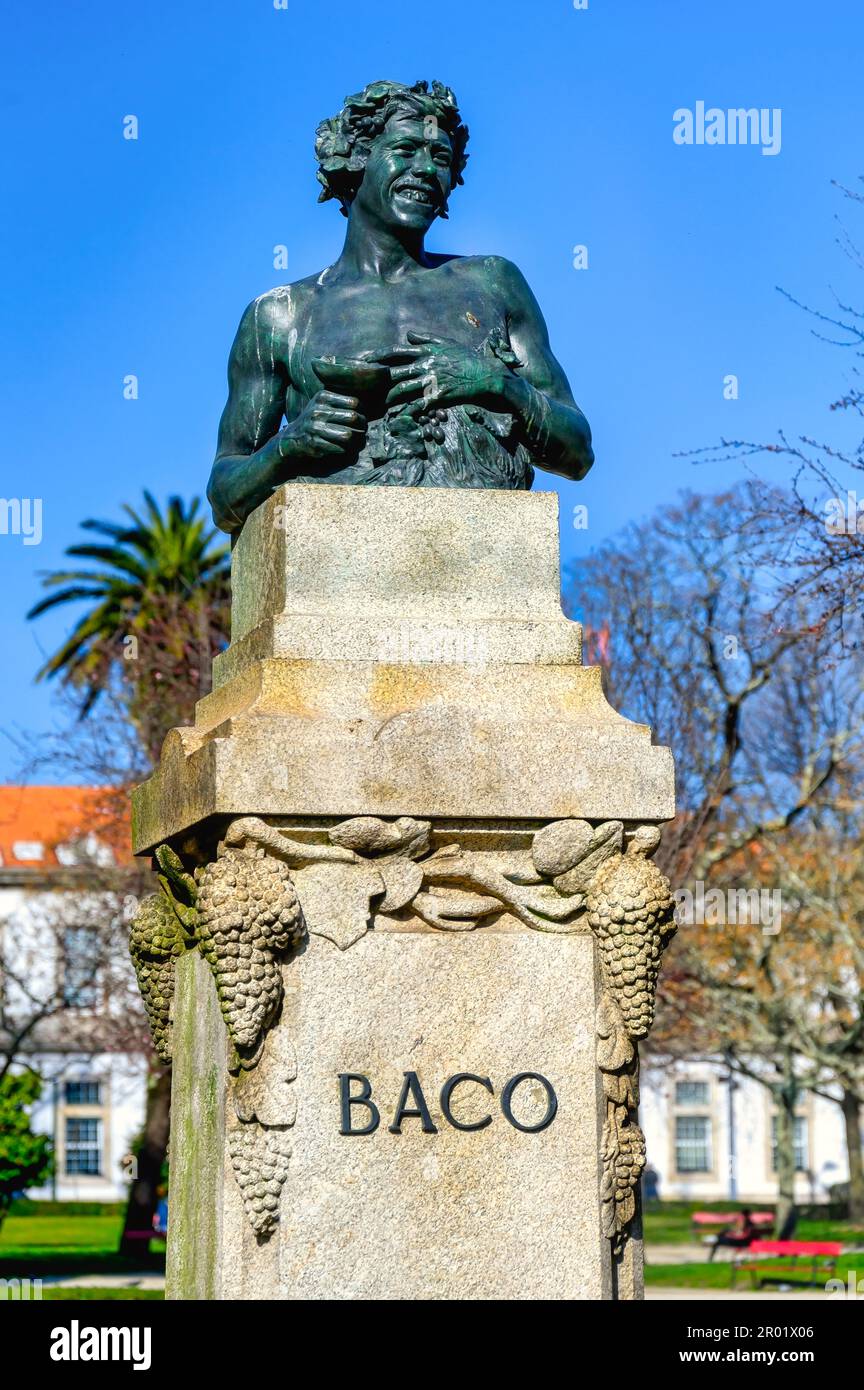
[[155, 556], [71, 595]]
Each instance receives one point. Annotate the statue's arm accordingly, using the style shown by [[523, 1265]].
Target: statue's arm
[[253, 455], [248, 463], [538, 393]]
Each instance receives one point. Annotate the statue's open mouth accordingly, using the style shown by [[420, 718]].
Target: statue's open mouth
[[416, 193]]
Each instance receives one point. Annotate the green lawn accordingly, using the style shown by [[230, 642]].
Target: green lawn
[[48, 1235], [719, 1276], [42, 1246], [668, 1223], [25, 1206], [59, 1244], [100, 1295]]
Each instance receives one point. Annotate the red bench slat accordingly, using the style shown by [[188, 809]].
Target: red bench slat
[[794, 1247], [725, 1218]]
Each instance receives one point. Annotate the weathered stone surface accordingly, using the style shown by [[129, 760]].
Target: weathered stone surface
[[196, 1238], [384, 576], [559, 846], [370, 835], [337, 900], [446, 823], [418, 743], [494, 1213], [357, 727]]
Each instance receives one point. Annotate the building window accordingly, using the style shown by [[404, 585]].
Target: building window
[[801, 1144], [83, 1092], [81, 949], [28, 851], [83, 1146], [693, 1143], [691, 1093]]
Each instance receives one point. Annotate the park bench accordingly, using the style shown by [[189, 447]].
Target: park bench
[[726, 1218], [776, 1261]]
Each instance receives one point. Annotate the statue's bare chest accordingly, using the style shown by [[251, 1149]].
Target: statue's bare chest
[[375, 317]]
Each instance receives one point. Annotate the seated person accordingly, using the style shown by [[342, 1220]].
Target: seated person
[[739, 1235]]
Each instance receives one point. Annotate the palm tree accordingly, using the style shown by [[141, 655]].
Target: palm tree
[[160, 580]]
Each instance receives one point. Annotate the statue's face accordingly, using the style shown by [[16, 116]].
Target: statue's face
[[408, 174]]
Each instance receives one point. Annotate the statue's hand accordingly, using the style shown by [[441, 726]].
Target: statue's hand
[[438, 372], [328, 425]]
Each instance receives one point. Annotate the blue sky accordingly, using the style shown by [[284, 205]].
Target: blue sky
[[138, 257]]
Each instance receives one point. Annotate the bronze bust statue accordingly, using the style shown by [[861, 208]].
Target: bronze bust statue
[[396, 365]]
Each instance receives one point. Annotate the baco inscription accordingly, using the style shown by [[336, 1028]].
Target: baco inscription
[[355, 1091]]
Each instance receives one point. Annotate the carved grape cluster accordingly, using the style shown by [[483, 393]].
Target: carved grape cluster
[[630, 912], [248, 912], [155, 941], [259, 1157], [623, 1156]]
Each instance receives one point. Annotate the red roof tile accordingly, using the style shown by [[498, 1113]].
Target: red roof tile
[[36, 821]]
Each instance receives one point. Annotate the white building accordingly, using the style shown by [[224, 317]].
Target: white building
[[66, 979], [92, 1050], [702, 1149]]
